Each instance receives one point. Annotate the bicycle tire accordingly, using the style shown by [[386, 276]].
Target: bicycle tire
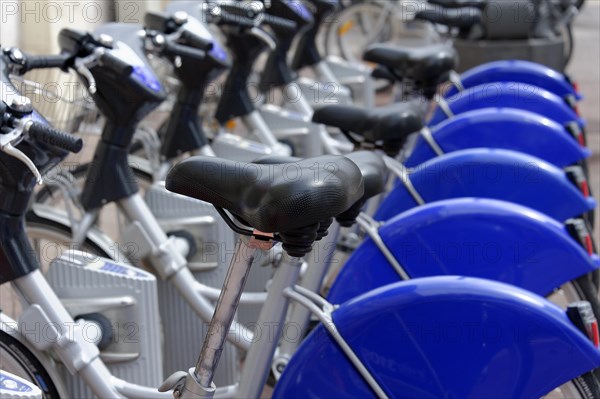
[[587, 385], [33, 221], [580, 289], [586, 286], [332, 40], [31, 368]]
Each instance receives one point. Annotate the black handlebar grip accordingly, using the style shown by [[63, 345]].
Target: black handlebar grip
[[196, 41], [279, 22], [175, 49], [46, 61], [115, 64], [239, 9], [48, 135], [234, 20], [326, 4]]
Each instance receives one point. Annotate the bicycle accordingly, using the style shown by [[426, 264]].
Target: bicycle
[[396, 127], [346, 183]]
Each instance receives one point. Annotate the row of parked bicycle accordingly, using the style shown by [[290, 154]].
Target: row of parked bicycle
[[436, 247]]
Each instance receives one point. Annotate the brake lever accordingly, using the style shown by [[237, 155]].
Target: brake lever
[[264, 37], [16, 153], [82, 66], [6, 146]]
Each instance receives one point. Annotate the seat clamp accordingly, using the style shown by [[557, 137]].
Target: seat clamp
[[261, 240]]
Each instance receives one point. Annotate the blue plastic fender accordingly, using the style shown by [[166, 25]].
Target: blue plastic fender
[[442, 337], [507, 128], [518, 71], [512, 95], [488, 173], [485, 238]]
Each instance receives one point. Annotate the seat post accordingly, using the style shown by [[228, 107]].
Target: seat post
[[220, 324]]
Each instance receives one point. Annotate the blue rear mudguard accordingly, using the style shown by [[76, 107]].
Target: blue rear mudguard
[[484, 238], [442, 337], [518, 71], [510, 95], [507, 128], [488, 173]]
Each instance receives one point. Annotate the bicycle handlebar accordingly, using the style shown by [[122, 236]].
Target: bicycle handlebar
[[49, 135], [234, 20], [279, 22], [196, 42], [46, 61], [174, 49], [115, 64]]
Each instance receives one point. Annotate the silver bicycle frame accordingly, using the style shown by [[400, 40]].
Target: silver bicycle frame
[[82, 356], [47, 313], [318, 261], [170, 264], [255, 124]]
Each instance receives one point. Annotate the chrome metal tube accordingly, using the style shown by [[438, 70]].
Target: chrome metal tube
[[182, 278], [303, 106], [82, 228], [255, 122], [136, 209], [224, 312], [187, 287], [325, 73]]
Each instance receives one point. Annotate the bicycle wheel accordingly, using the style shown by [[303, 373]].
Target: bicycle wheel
[[357, 27], [51, 239], [354, 29], [582, 387], [18, 360], [581, 289]]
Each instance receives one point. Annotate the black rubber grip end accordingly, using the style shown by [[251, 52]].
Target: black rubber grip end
[[49, 135]]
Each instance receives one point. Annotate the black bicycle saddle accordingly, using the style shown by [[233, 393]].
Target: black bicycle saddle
[[391, 124], [372, 169], [462, 18], [426, 66], [272, 198]]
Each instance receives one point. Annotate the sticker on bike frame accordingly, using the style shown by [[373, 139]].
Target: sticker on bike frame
[[9, 383], [122, 270]]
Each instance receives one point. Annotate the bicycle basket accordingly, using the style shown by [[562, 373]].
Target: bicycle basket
[[61, 98]]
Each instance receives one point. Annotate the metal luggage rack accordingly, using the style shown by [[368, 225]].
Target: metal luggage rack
[[62, 98]]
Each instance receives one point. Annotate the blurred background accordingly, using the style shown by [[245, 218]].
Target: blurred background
[[33, 25]]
